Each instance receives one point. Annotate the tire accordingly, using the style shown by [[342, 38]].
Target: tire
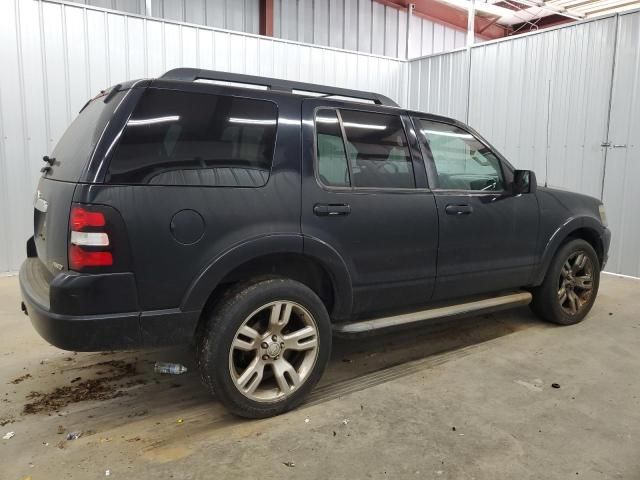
[[256, 352], [566, 280]]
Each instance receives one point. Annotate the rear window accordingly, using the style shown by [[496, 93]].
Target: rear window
[[378, 150], [79, 140], [373, 153], [181, 138]]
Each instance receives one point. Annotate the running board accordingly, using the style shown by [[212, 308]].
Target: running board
[[492, 304]]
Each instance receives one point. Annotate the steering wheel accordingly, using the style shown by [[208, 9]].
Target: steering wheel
[[491, 185]]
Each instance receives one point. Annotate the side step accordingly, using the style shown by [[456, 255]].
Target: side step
[[492, 304]]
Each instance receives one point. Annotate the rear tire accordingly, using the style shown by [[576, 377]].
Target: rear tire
[[571, 285], [264, 347]]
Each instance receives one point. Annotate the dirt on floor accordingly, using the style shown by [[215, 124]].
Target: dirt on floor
[[107, 385]]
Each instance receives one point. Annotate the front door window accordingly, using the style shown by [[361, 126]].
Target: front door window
[[461, 161]]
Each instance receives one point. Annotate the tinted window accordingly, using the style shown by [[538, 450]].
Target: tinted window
[[377, 150], [79, 140], [462, 161], [180, 138], [332, 160]]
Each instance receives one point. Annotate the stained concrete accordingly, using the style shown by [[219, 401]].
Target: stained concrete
[[468, 400]]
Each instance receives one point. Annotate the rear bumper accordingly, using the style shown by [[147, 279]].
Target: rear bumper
[[87, 313]]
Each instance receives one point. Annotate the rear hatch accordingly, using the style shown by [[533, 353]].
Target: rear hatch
[[66, 167]]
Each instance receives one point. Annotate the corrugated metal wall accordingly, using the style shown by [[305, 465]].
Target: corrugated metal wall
[[429, 37], [362, 25], [543, 100], [55, 56], [438, 84], [622, 171], [240, 15], [540, 99]]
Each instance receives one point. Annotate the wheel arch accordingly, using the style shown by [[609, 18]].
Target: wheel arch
[[321, 269], [585, 228]]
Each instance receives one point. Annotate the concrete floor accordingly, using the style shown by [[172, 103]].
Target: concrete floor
[[470, 400]]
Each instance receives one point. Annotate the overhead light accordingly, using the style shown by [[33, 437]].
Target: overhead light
[[326, 120], [149, 121], [224, 83], [308, 93], [251, 121], [602, 8], [552, 8], [447, 134], [481, 7], [349, 99], [364, 125]]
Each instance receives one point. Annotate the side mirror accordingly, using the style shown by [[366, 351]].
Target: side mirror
[[524, 181]]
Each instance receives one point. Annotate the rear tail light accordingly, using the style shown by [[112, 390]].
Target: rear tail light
[[82, 218], [80, 258], [89, 239], [89, 242]]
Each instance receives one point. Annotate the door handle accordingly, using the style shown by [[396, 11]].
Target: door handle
[[613, 145], [458, 209], [331, 209]]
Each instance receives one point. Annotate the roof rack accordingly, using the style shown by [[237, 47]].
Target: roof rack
[[299, 88]]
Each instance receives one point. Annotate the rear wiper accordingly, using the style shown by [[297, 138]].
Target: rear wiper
[[85, 106]]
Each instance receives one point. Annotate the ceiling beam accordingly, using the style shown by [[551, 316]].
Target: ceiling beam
[[547, 21], [441, 13]]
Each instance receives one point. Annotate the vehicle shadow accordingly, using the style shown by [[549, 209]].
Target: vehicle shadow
[[143, 403]]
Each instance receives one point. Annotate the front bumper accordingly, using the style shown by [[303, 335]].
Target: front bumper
[[96, 312], [605, 238]]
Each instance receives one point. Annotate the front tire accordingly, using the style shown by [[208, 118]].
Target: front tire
[[264, 347], [570, 286]]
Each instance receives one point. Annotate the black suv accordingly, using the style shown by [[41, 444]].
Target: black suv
[[258, 216]]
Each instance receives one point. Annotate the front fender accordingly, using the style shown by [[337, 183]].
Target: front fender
[[558, 237]]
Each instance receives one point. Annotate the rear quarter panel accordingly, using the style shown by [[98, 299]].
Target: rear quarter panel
[[166, 269]]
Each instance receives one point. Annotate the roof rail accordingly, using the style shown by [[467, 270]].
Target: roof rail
[[301, 88]]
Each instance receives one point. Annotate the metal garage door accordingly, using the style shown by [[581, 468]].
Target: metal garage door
[[621, 192]]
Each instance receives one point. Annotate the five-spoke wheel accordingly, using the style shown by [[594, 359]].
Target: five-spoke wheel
[[570, 287], [264, 346], [576, 282], [274, 351]]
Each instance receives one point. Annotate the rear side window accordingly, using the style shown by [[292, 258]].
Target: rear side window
[[372, 154], [181, 138], [79, 140]]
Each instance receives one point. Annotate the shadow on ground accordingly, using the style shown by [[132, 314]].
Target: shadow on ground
[[97, 393]]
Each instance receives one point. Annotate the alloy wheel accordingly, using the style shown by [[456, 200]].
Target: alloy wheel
[[575, 286], [274, 351]]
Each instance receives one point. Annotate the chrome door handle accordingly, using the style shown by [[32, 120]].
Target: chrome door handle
[[331, 209], [458, 209]]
